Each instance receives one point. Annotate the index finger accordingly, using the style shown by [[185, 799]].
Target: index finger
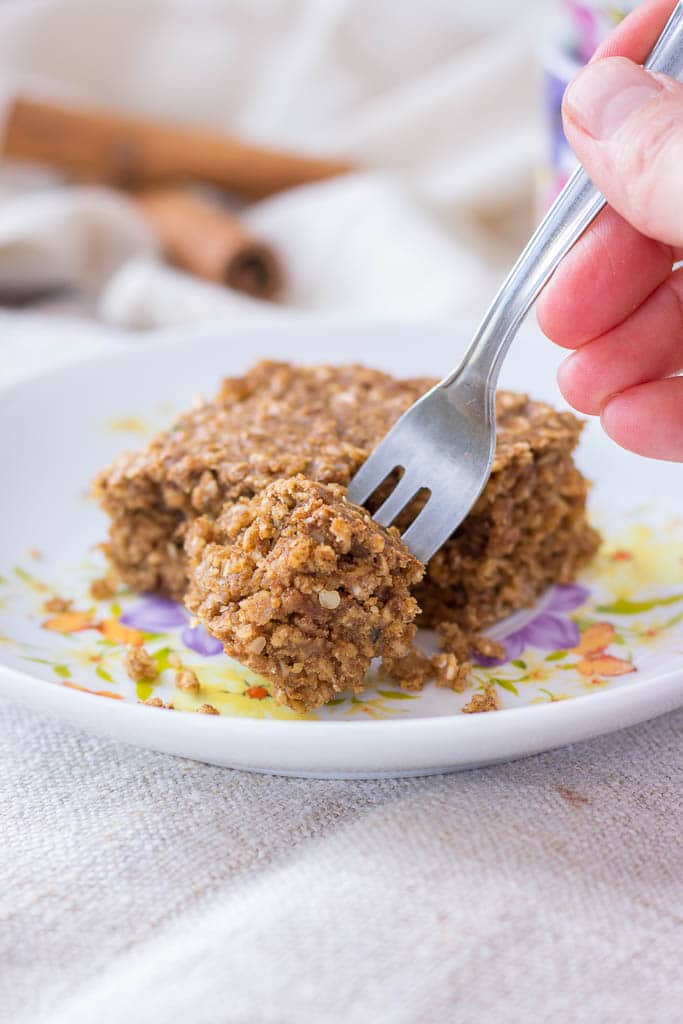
[[612, 269], [638, 33]]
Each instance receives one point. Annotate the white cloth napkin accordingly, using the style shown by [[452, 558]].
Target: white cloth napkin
[[436, 104]]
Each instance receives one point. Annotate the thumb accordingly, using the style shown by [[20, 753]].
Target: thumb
[[625, 125]]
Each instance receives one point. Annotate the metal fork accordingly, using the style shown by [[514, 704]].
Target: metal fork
[[445, 442]]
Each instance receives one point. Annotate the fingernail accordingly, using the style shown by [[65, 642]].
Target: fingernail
[[605, 94]]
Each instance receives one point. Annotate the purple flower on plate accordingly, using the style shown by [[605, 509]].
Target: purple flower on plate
[[198, 640], [550, 630], [155, 614]]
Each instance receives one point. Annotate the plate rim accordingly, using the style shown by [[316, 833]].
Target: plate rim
[[433, 746]]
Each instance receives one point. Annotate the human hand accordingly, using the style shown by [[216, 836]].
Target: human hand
[[616, 298]]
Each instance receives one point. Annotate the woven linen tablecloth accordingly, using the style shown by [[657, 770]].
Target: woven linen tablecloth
[[145, 889]]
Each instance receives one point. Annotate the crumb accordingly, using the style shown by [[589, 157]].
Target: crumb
[[411, 671], [462, 643], [207, 709], [186, 679], [451, 673], [104, 588], [453, 640], [56, 605], [36, 554], [139, 665], [174, 660], [487, 647], [483, 700], [157, 702]]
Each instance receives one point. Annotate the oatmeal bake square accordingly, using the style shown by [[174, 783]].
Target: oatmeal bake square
[[175, 509]]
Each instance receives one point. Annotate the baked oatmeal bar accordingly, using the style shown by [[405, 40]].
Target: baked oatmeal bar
[[304, 588], [528, 529]]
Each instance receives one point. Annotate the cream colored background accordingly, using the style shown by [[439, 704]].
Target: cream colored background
[[435, 101]]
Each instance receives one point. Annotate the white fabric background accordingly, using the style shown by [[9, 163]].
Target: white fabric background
[[144, 889], [435, 102]]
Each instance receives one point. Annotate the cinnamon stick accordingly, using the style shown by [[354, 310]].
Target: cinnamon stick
[[131, 152], [206, 240]]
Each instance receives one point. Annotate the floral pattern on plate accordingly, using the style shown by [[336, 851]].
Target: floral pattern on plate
[[621, 620]]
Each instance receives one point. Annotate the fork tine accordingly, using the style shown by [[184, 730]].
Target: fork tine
[[372, 473], [435, 523], [422, 540], [404, 491]]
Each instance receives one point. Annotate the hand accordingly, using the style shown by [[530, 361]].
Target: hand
[[616, 298]]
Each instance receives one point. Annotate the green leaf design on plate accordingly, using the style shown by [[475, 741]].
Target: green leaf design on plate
[[63, 671], [144, 689], [507, 685], [396, 695], [335, 702], [519, 663], [556, 656], [29, 580], [625, 607], [103, 674], [161, 658], [115, 608]]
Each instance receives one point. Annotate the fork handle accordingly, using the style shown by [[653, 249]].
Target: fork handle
[[577, 205]]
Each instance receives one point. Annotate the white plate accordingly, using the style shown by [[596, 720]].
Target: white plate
[[58, 430]]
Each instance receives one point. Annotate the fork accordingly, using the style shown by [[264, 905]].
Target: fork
[[445, 443]]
